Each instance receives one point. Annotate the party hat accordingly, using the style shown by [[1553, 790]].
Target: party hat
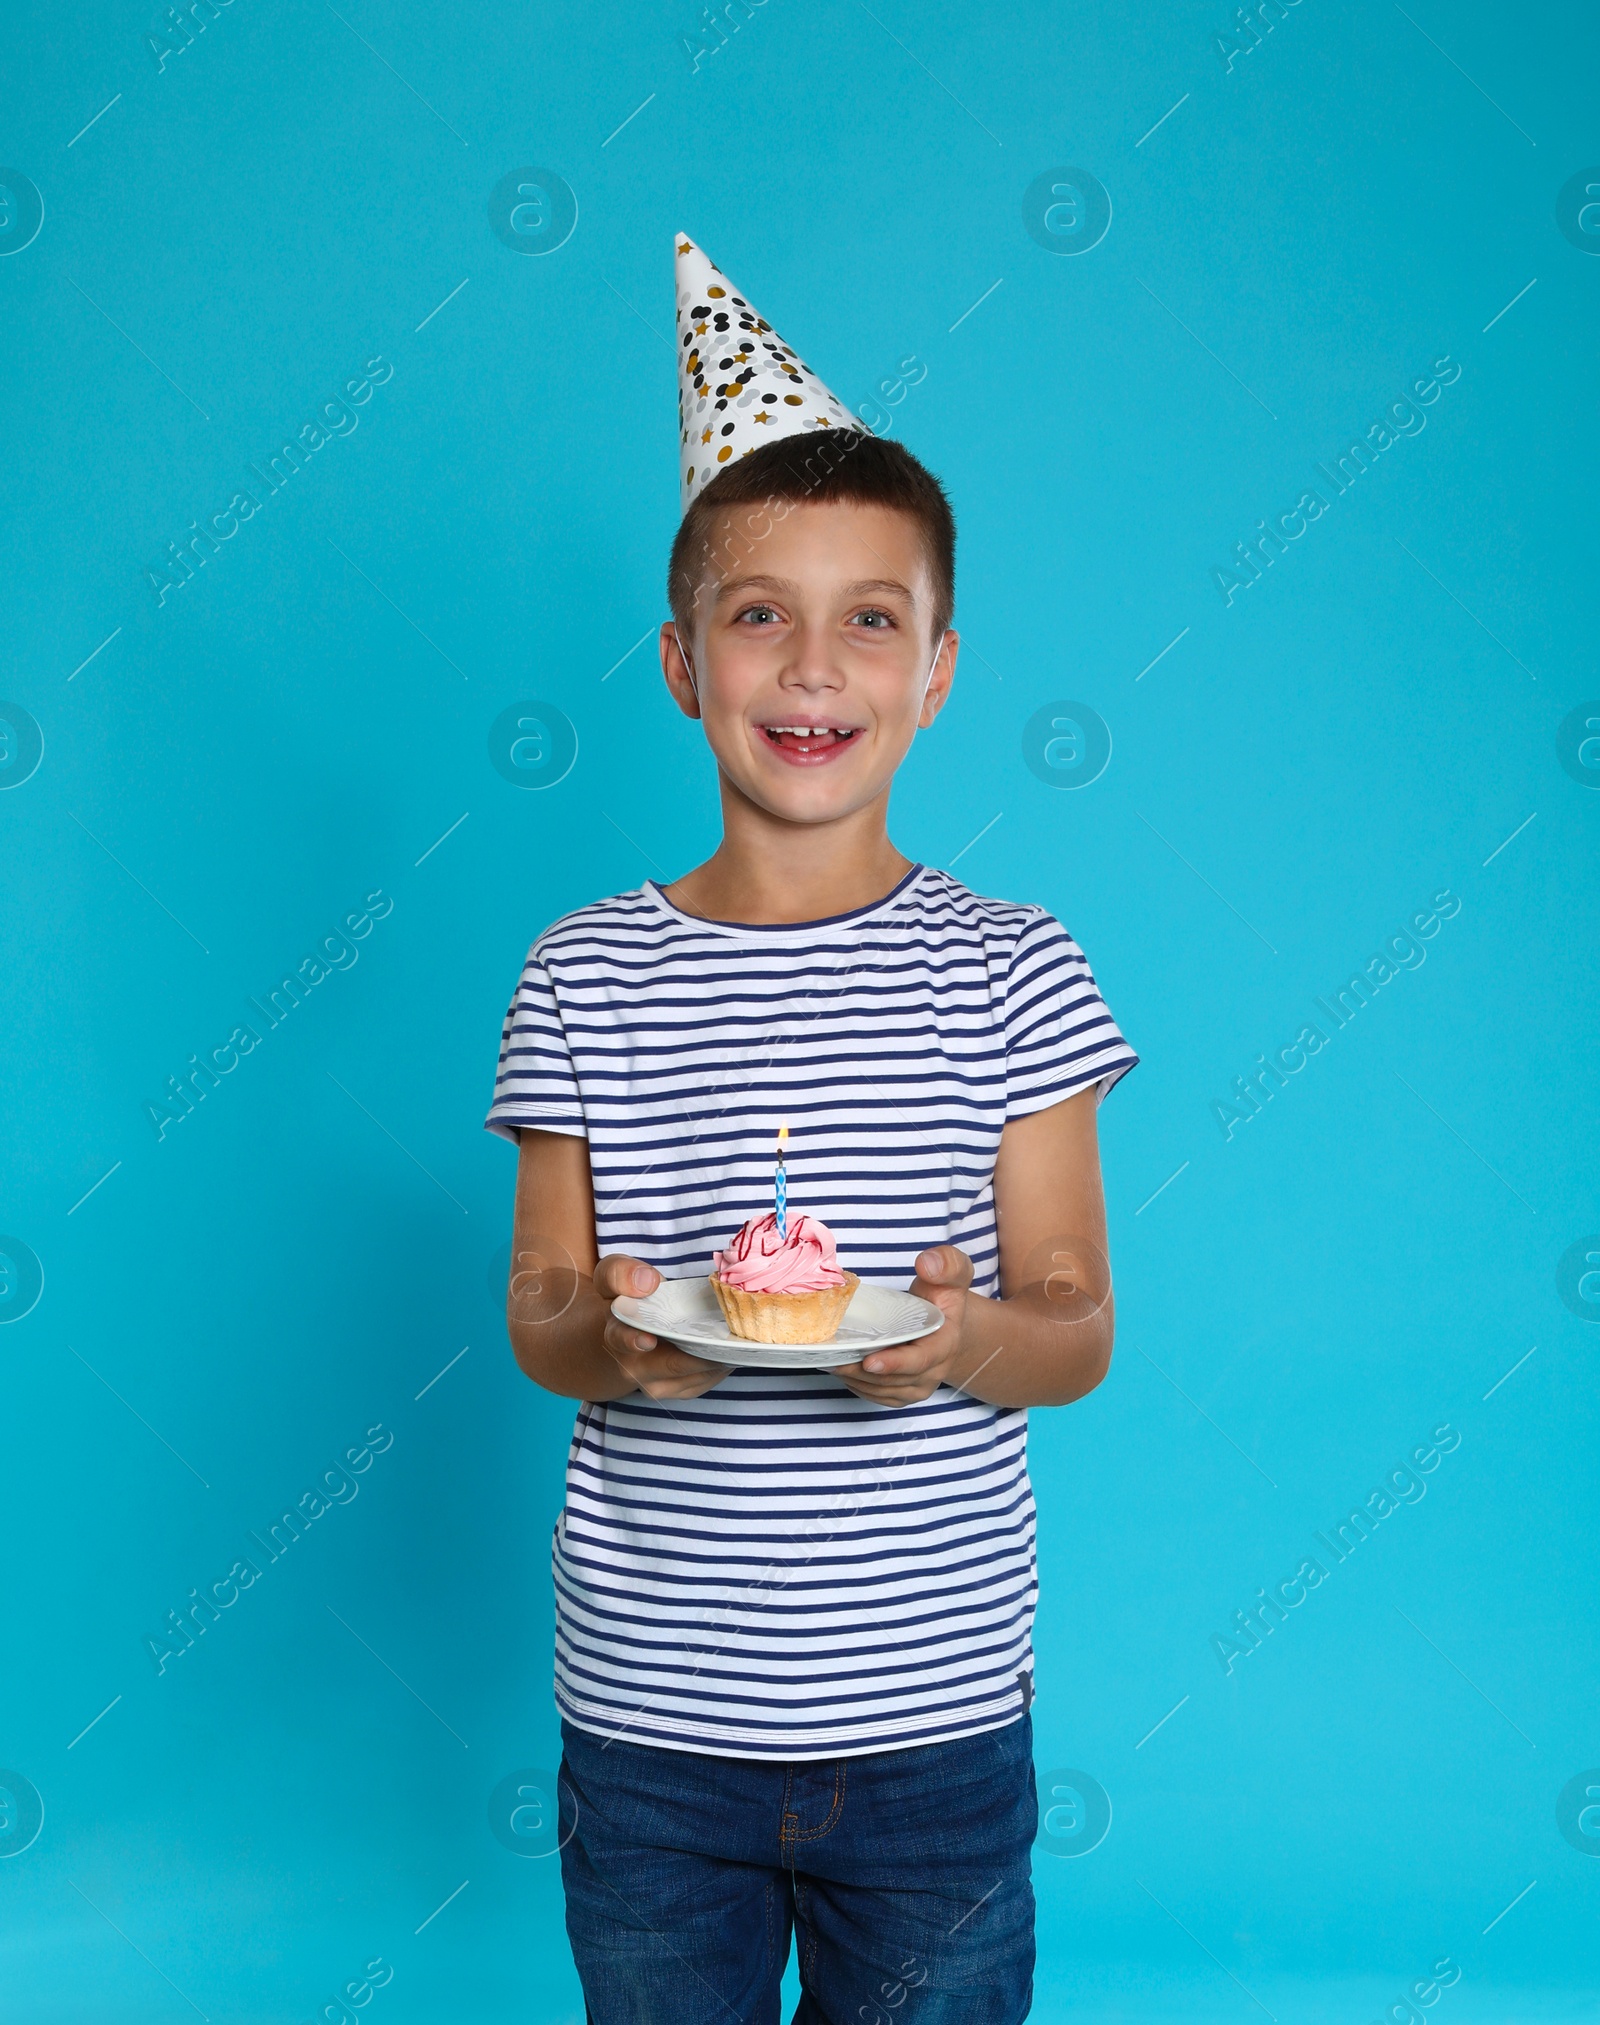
[[739, 384]]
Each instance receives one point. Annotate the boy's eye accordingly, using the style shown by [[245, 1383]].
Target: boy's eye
[[759, 614], [874, 620]]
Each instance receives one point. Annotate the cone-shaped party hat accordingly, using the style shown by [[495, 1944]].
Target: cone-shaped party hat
[[739, 384]]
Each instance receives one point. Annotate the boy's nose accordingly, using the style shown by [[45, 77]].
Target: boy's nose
[[812, 665]]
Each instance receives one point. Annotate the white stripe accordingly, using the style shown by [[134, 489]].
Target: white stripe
[[779, 1566]]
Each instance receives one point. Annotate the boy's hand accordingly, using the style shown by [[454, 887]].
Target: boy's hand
[[911, 1371], [661, 1370]]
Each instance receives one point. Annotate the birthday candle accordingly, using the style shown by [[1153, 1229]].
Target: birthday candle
[[781, 1185]]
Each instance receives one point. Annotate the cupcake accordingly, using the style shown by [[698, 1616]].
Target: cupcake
[[788, 1289]]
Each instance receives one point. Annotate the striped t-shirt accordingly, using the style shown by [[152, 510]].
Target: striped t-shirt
[[779, 1569]]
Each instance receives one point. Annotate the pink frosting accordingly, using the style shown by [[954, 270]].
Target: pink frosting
[[761, 1262]]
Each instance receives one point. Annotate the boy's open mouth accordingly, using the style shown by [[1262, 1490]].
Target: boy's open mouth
[[805, 744]]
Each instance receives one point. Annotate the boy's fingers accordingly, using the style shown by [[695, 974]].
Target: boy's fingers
[[910, 1362], [619, 1274], [945, 1265], [668, 1361], [888, 1395], [661, 1376], [681, 1365], [621, 1340], [887, 1391]]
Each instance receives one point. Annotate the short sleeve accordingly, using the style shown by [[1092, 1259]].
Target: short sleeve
[[536, 1083], [1060, 1035]]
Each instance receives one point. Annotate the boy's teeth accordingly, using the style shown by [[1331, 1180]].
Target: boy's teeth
[[811, 735]]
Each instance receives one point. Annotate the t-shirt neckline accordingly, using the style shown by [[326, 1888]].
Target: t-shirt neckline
[[653, 888]]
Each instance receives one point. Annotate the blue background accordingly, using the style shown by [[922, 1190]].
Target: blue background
[[238, 766]]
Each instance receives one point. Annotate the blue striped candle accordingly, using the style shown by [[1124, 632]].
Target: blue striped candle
[[781, 1186]]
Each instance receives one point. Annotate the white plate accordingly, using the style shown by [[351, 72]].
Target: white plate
[[685, 1312]]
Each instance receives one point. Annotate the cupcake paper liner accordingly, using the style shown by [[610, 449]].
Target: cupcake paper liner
[[785, 1318]]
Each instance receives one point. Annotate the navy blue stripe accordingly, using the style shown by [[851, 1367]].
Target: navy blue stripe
[[779, 1568]]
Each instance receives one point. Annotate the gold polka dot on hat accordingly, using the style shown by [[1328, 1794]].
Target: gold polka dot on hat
[[736, 377]]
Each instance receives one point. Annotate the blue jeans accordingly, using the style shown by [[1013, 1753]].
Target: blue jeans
[[905, 1875]]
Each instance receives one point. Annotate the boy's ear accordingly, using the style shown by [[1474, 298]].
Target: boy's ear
[[944, 673], [675, 667]]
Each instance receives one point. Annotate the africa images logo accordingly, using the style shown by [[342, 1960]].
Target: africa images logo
[[21, 211], [1255, 555], [533, 211], [1577, 742], [1254, 1090], [21, 745], [533, 745], [21, 1279], [21, 1813], [1075, 1812], [1066, 745], [1066, 210], [185, 559], [1577, 210], [1577, 1811], [531, 1813], [1577, 1278]]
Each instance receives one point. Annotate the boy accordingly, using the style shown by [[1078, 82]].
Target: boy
[[794, 1607]]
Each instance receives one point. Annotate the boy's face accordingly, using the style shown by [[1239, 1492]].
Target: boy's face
[[811, 655]]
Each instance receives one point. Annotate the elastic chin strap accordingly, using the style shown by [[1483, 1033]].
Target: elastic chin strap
[[932, 667], [927, 680], [693, 684]]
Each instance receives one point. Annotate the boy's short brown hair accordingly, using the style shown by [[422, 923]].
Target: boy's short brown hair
[[833, 464]]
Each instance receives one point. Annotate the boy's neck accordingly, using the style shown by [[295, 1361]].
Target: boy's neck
[[774, 873]]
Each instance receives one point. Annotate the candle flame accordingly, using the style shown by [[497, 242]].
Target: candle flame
[[783, 1138]]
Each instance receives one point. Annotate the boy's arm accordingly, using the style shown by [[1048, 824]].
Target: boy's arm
[[558, 1304], [1048, 1340]]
